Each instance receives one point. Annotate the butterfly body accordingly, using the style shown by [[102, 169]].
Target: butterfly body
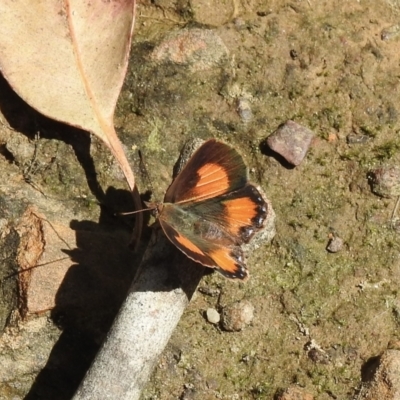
[[211, 209]]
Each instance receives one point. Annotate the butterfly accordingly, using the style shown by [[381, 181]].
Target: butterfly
[[211, 209]]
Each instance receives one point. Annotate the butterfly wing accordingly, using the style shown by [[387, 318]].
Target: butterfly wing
[[203, 244], [210, 209], [214, 169], [239, 214]]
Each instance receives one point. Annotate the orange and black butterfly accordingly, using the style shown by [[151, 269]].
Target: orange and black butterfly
[[211, 209]]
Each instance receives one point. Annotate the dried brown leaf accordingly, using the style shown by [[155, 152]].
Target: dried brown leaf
[[68, 60]]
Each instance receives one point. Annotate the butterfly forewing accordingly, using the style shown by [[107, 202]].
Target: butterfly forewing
[[214, 169]]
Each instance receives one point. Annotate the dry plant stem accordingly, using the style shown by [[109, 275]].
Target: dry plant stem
[[394, 212], [162, 289]]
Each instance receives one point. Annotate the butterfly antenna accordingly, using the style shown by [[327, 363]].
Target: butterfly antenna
[[136, 211]]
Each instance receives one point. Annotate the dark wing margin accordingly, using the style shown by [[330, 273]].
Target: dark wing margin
[[229, 261], [214, 169]]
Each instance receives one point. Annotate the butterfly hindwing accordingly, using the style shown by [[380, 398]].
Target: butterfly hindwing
[[203, 244], [214, 169], [239, 214]]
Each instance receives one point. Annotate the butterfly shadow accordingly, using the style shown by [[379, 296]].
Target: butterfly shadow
[[82, 311], [88, 298], [96, 286]]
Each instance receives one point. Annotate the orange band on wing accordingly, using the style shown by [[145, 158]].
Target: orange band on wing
[[213, 182], [224, 260], [213, 173], [187, 244], [240, 213]]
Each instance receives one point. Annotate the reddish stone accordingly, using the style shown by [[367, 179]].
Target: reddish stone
[[291, 141]]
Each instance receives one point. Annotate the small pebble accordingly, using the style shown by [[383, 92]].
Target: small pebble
[[291, 141], [244, 110], [352, 138], [237, 316], [317, 356], [213, 292], [385, 181], [213, 316], [335, 244], [239, 24], [391, 32]]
